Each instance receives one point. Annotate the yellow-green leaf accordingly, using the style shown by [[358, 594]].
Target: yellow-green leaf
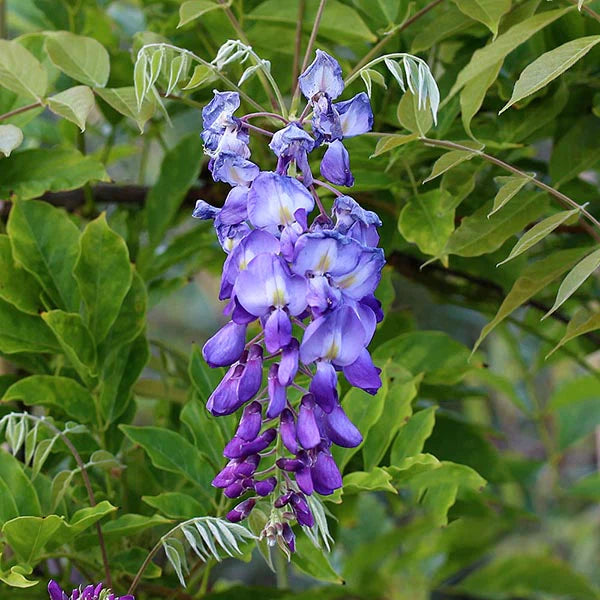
[[193, 9], [21, 72], [74, 104], [538, 232], [416, 120], [549, 66], [389, 142], [11, 137], [487, 12], [80, 57], [447, 161], [124, 101], [582, 322], [580, 272], [511, 186]]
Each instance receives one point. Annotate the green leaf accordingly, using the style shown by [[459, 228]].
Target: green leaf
[[82, 58], [443, 360], [473, 94], [124, 101], [526, 576], [533, 279], [510, 187], [401, 390], [449, 160], [31, 173], [447, 24], [314, 561], [574, 407], [17, 494], [121, 370], [131, 524], [389, 142], [549, 66], [179, 171], [337, 20], [28, 536], [129, 561], [21, 72], [503, 45], [487, 12], [582, 322], [17, 286], [376, 480], [201, 76], [576, 151], [479, 235], [15, 578], [412, 436], [538, 232], [176, 505], [193, 9], [11, 137], [74, 104], [576, 277], [62, 393], [416, 120], [203, 378], [104, 275], [75, 340], [427, 222], [205, 429], [22, 332], [170, 451], [131, 319], [80, 521]]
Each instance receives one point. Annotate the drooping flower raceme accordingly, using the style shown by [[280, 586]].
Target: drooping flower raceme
[[309, 285], [90, 592]]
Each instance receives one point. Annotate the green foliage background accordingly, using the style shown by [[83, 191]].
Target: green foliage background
[[478, 477]]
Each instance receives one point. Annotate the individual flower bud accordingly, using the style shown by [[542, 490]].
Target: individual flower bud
[[251, 378], [266, 486], [307, 429], [225, 398], [278, 330], [282, 500], [289, 537], [287, 430], [238, 448], [324, 386], [227, 475], [226, 346], [325, 474], [289, 464], [301, 510], [335, 166], [304, 480], [288, 365], [277, 393], [251, 422], [234, 490], [241, 511], [248, 466], [340, 429], [362, 373]]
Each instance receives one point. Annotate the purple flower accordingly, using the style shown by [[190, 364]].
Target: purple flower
[[233, 169], [292, 144], [90, 592], [288, 271], [274, 200], [335, 166], [356, 116], [323, 75]]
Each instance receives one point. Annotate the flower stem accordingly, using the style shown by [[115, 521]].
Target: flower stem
[[318, 200], [311, 41], [562, 198], [266, 115], [327, 186], [259, 129]]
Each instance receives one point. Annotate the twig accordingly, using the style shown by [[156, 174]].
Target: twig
[[259, 129], [383, 41], [311, 41], [562, 198], [587, 10], [298, 42], [18, 111]]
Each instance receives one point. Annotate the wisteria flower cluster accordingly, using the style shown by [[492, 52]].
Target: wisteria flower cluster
[[311, 287], [90, 592]]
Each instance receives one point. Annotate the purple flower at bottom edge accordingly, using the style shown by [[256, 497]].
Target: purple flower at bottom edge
[[90, 592]]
